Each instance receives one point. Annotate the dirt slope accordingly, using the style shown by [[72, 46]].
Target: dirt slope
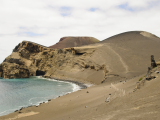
[[117, 58], [123, 56], [128, 53], [89, 104]]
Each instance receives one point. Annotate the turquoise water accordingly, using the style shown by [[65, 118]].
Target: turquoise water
[[18, 93]]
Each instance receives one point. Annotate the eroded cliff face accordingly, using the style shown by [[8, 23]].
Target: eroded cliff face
[[19, 63], [117, 58], [30, 59]]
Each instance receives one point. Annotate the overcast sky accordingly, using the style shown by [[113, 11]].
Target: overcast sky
[[46, 21]]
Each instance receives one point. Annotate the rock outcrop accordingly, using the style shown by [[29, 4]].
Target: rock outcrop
[[114, 59], [30, 59], [1, 71], [19, 63]]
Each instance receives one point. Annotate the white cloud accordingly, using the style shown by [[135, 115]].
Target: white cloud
[[46, 21]]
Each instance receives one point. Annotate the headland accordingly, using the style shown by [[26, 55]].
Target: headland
[[115, 66]]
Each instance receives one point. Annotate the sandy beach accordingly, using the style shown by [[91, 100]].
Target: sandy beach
[[115, 67], [89, 104]]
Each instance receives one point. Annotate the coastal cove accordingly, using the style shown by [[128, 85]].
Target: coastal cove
[[21, 93], [110, 78]]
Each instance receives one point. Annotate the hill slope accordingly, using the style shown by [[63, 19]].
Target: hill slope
[[128, 53], [117, 58], [66, 42], [123, 56]]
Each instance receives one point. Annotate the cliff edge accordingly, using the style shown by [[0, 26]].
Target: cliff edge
[[117, 58], [31, 59]]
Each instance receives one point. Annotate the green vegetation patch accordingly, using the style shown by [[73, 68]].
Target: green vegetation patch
[[140, 78]]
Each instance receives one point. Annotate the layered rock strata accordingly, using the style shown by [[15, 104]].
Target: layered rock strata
[[30, 59], [117, 58]]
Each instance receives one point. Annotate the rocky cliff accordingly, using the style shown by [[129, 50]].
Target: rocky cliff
[[30, 59], [117, 58], [20, 64]]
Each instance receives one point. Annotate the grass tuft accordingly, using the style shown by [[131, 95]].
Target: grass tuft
[[140, 78]]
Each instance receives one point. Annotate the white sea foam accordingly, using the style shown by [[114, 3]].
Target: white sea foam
[[89, 85], [7, 111], [21, 90], [33, 101], [75, 87], [3, 112]]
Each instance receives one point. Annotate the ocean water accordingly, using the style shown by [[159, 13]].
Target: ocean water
[[18, 93]]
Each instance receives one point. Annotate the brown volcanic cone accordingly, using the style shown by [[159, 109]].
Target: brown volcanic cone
[[120, 61], [66, 42], [122, 56]]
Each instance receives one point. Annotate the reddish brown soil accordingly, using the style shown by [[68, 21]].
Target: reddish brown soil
[[66, 42]]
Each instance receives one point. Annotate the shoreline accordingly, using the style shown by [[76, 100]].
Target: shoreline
[[79, 84], [86, 103]]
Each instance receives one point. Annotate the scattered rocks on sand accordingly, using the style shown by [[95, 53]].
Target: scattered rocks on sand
[[21, 108], [16, 111]]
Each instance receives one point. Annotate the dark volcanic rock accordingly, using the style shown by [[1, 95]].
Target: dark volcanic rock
[[14, 60]]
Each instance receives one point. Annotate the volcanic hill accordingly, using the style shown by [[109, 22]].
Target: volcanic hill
[[119, 57], [67, 42], [119, 62]]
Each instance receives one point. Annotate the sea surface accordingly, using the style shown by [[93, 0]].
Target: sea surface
[[18, 93]]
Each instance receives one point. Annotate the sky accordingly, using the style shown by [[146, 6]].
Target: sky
[[46, 21]]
